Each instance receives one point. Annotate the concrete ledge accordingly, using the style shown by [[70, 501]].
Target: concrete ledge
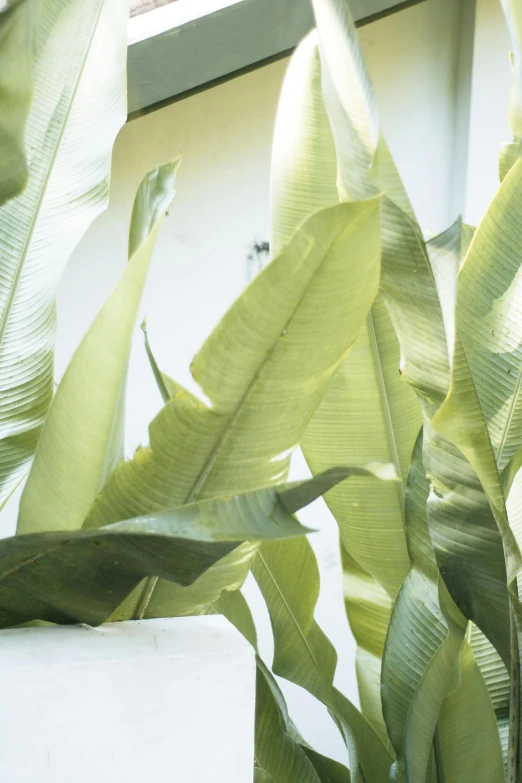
[[188, 44], [137, 701]]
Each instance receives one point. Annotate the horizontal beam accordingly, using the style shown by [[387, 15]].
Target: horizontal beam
[[172, 53]]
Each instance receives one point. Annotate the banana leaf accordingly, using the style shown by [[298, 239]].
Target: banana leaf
[[279, 747], [77, 109], [425, 660], [82, 440], [81, 576], [304, 163], [366, 410], [264, 369], [289, 580], [17, 42], [278, 754]]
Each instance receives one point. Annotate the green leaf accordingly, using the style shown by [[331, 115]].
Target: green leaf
[[426, 625], [328, 770], [278, 743], [264, 368], [411, 284], [304, 164], [467, 543], [81, 576], [168, 388], [414, 276], [368, 413], [261, 776], [469, 738], [233, 605], [277, 753], [368, 608], [460, 517], [82, 439], [483, 411], [17, 42], [509, 153], [304, 173], [303, 179], [76, 112], [289, 580], [169, 599], [496, 678]]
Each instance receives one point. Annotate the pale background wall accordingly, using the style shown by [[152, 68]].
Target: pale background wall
[[421, 67]]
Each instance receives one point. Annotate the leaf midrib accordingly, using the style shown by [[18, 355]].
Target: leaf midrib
[[294, 620], [511, 413], [229, 426], [386, 410]]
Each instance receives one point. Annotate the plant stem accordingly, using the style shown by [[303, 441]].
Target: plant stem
[[150, 584], [514, 700]]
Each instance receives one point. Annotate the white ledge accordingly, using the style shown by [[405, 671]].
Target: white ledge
[[137, 701]]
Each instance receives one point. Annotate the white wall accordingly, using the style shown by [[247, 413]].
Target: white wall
[[224, 135], [488, 127]]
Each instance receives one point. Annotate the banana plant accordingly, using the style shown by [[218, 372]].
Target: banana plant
[[179, 525], [431, 563], [383, 354]]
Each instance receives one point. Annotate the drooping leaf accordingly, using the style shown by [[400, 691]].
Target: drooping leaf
[[279, 747], [77, 109], [81, 576], [277, 753], [289, 580], [170, 599], [82, 439], [17, 42], [233, 605]]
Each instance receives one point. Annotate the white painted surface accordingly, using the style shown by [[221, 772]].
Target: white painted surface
[[130, 702]]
